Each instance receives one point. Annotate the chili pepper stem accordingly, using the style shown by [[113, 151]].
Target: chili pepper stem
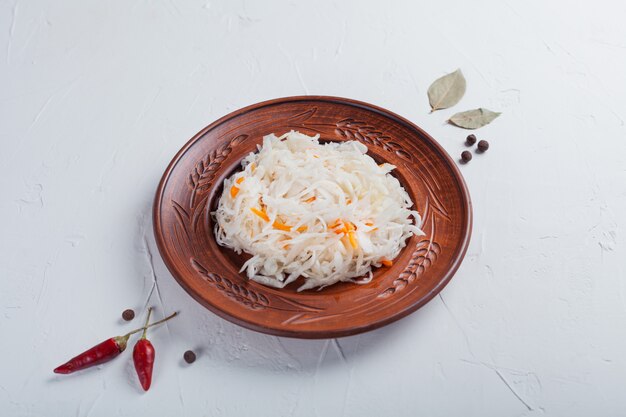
[[171, 316], [145, 329]]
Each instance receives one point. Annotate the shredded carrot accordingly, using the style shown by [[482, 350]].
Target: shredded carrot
[[309, 200], [252, 167], [260, 213], [386, 262], [281, 226], [349, 201], [345, 227], [369, 224], [353, 240], [234, 190], [302, 229]]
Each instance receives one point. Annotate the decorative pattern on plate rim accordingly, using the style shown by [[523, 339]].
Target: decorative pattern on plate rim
[[354, 130], [249, 298], [201, 178], [425, 254]]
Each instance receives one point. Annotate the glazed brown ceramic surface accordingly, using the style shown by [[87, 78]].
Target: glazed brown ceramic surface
[[192, 184]]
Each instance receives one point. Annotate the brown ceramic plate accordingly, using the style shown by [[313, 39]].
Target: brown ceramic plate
[[192, 184]]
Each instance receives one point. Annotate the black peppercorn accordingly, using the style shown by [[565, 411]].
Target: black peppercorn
[[471, 139], [128, 314], [189, 356], [483, 145], [466, 156]]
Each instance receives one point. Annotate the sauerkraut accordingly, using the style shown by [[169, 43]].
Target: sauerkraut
[[323, 212]]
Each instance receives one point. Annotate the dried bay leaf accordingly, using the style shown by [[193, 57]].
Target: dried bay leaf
[[446, 91], [473, 119]]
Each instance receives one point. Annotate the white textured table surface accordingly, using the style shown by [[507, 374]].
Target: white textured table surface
[[97, 96]]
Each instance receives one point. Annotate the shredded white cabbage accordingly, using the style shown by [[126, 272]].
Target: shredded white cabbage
[[325, 212]]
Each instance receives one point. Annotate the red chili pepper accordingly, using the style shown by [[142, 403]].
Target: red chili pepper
[[98, 354], [103, 352], [143, 357]]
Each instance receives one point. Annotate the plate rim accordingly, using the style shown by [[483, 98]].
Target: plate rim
[[458, 256]]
